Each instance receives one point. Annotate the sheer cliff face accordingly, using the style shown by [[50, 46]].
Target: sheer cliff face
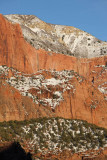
[[36, 83]]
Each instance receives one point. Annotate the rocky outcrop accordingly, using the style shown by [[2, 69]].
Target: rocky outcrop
[[17, 53], [60, 39], [14, 50], [14, 106], [64, 94], [86, 103]]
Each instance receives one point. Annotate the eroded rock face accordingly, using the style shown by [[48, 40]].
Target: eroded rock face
[[51, 93], [88, 102], [14, 106], [17, 53]]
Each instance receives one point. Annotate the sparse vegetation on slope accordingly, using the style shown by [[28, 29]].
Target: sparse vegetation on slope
[[55, 134]]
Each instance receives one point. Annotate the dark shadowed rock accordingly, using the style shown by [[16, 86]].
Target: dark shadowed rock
[[14, 152]]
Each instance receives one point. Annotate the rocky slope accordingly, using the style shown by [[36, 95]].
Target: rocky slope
[[57, 38], [56, 137]]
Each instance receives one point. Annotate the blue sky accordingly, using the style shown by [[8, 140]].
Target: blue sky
[[87, 15]]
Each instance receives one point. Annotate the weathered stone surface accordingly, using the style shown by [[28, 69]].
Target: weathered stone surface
[[17, 53], [59, 38], [14, 106]]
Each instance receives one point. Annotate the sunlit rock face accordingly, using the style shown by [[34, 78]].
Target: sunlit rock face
[[52, 93], [37, 81], [59, 38]]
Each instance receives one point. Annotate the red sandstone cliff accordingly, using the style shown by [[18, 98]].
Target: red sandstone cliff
[[14, 106], [17, 53]]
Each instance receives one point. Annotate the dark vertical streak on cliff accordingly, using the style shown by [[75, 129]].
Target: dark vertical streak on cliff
[[24, 61], [71, 105], [37, 62]]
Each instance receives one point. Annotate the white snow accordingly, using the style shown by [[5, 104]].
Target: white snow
[[52, 81], [103, 89]]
